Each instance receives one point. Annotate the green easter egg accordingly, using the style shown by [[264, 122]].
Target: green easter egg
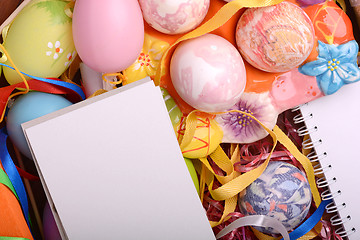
[[39, 40], [193, 173]]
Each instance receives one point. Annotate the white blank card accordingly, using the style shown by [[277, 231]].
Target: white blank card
[[112, 169]]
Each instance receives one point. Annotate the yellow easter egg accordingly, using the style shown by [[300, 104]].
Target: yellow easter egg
[[39, 40], [207, 138]]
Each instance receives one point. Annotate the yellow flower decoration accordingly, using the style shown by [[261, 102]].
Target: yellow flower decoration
[[148, 60]]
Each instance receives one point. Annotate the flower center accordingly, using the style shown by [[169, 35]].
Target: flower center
[[333, 64], [144, 59], [243, 119]]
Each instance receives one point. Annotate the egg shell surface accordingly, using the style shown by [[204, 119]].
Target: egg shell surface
[[174, 16], [39, 41], [208, 73], [276, 38], [282, 192], [206, 139], [28, 107], [108, 34]]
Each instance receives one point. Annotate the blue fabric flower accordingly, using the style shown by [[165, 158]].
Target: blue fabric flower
[[335, 66]]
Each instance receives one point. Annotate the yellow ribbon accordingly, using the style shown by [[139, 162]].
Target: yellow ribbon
[[219, 19], [305, 162], [342, 4], [236, 185], [233, 183], [69, 8], [97, 93], [117, 74]]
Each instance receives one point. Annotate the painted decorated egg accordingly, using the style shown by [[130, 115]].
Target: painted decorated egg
[[39, 40], [282, 192], [207, 137], [208, 73], [174, 16], [108, 34], [276, 38], [28, 107]]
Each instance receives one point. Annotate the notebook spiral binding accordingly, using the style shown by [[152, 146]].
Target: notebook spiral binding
[[319, 171]]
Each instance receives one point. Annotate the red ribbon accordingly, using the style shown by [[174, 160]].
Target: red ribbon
[[27, 175], [40, 86]]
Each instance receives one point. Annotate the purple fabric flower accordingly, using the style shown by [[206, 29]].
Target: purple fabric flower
[[305, 3], [240, 128]]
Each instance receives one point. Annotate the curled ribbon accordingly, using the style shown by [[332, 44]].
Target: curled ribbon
[[55, 86], [21, 75], [255, 220], [234, 182], [69, 7]]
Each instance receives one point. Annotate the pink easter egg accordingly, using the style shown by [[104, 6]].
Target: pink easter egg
[[174, 16], [108, 34], [276, 38], [208, 73]]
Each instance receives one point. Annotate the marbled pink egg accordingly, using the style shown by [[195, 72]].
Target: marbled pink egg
[[276, 38], [208, 73], [174, 16]]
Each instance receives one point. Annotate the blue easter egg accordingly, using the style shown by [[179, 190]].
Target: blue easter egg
[[28, 107], [282, 192]]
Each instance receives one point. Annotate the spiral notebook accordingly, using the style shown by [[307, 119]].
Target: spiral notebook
[[333, 123]]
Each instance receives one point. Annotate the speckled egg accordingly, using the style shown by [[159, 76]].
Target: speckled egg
[[282, 192], [208, 73], [174, 16], [276, 38]]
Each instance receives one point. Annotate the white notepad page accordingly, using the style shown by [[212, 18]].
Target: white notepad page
[[337, 118], [114, 170]]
